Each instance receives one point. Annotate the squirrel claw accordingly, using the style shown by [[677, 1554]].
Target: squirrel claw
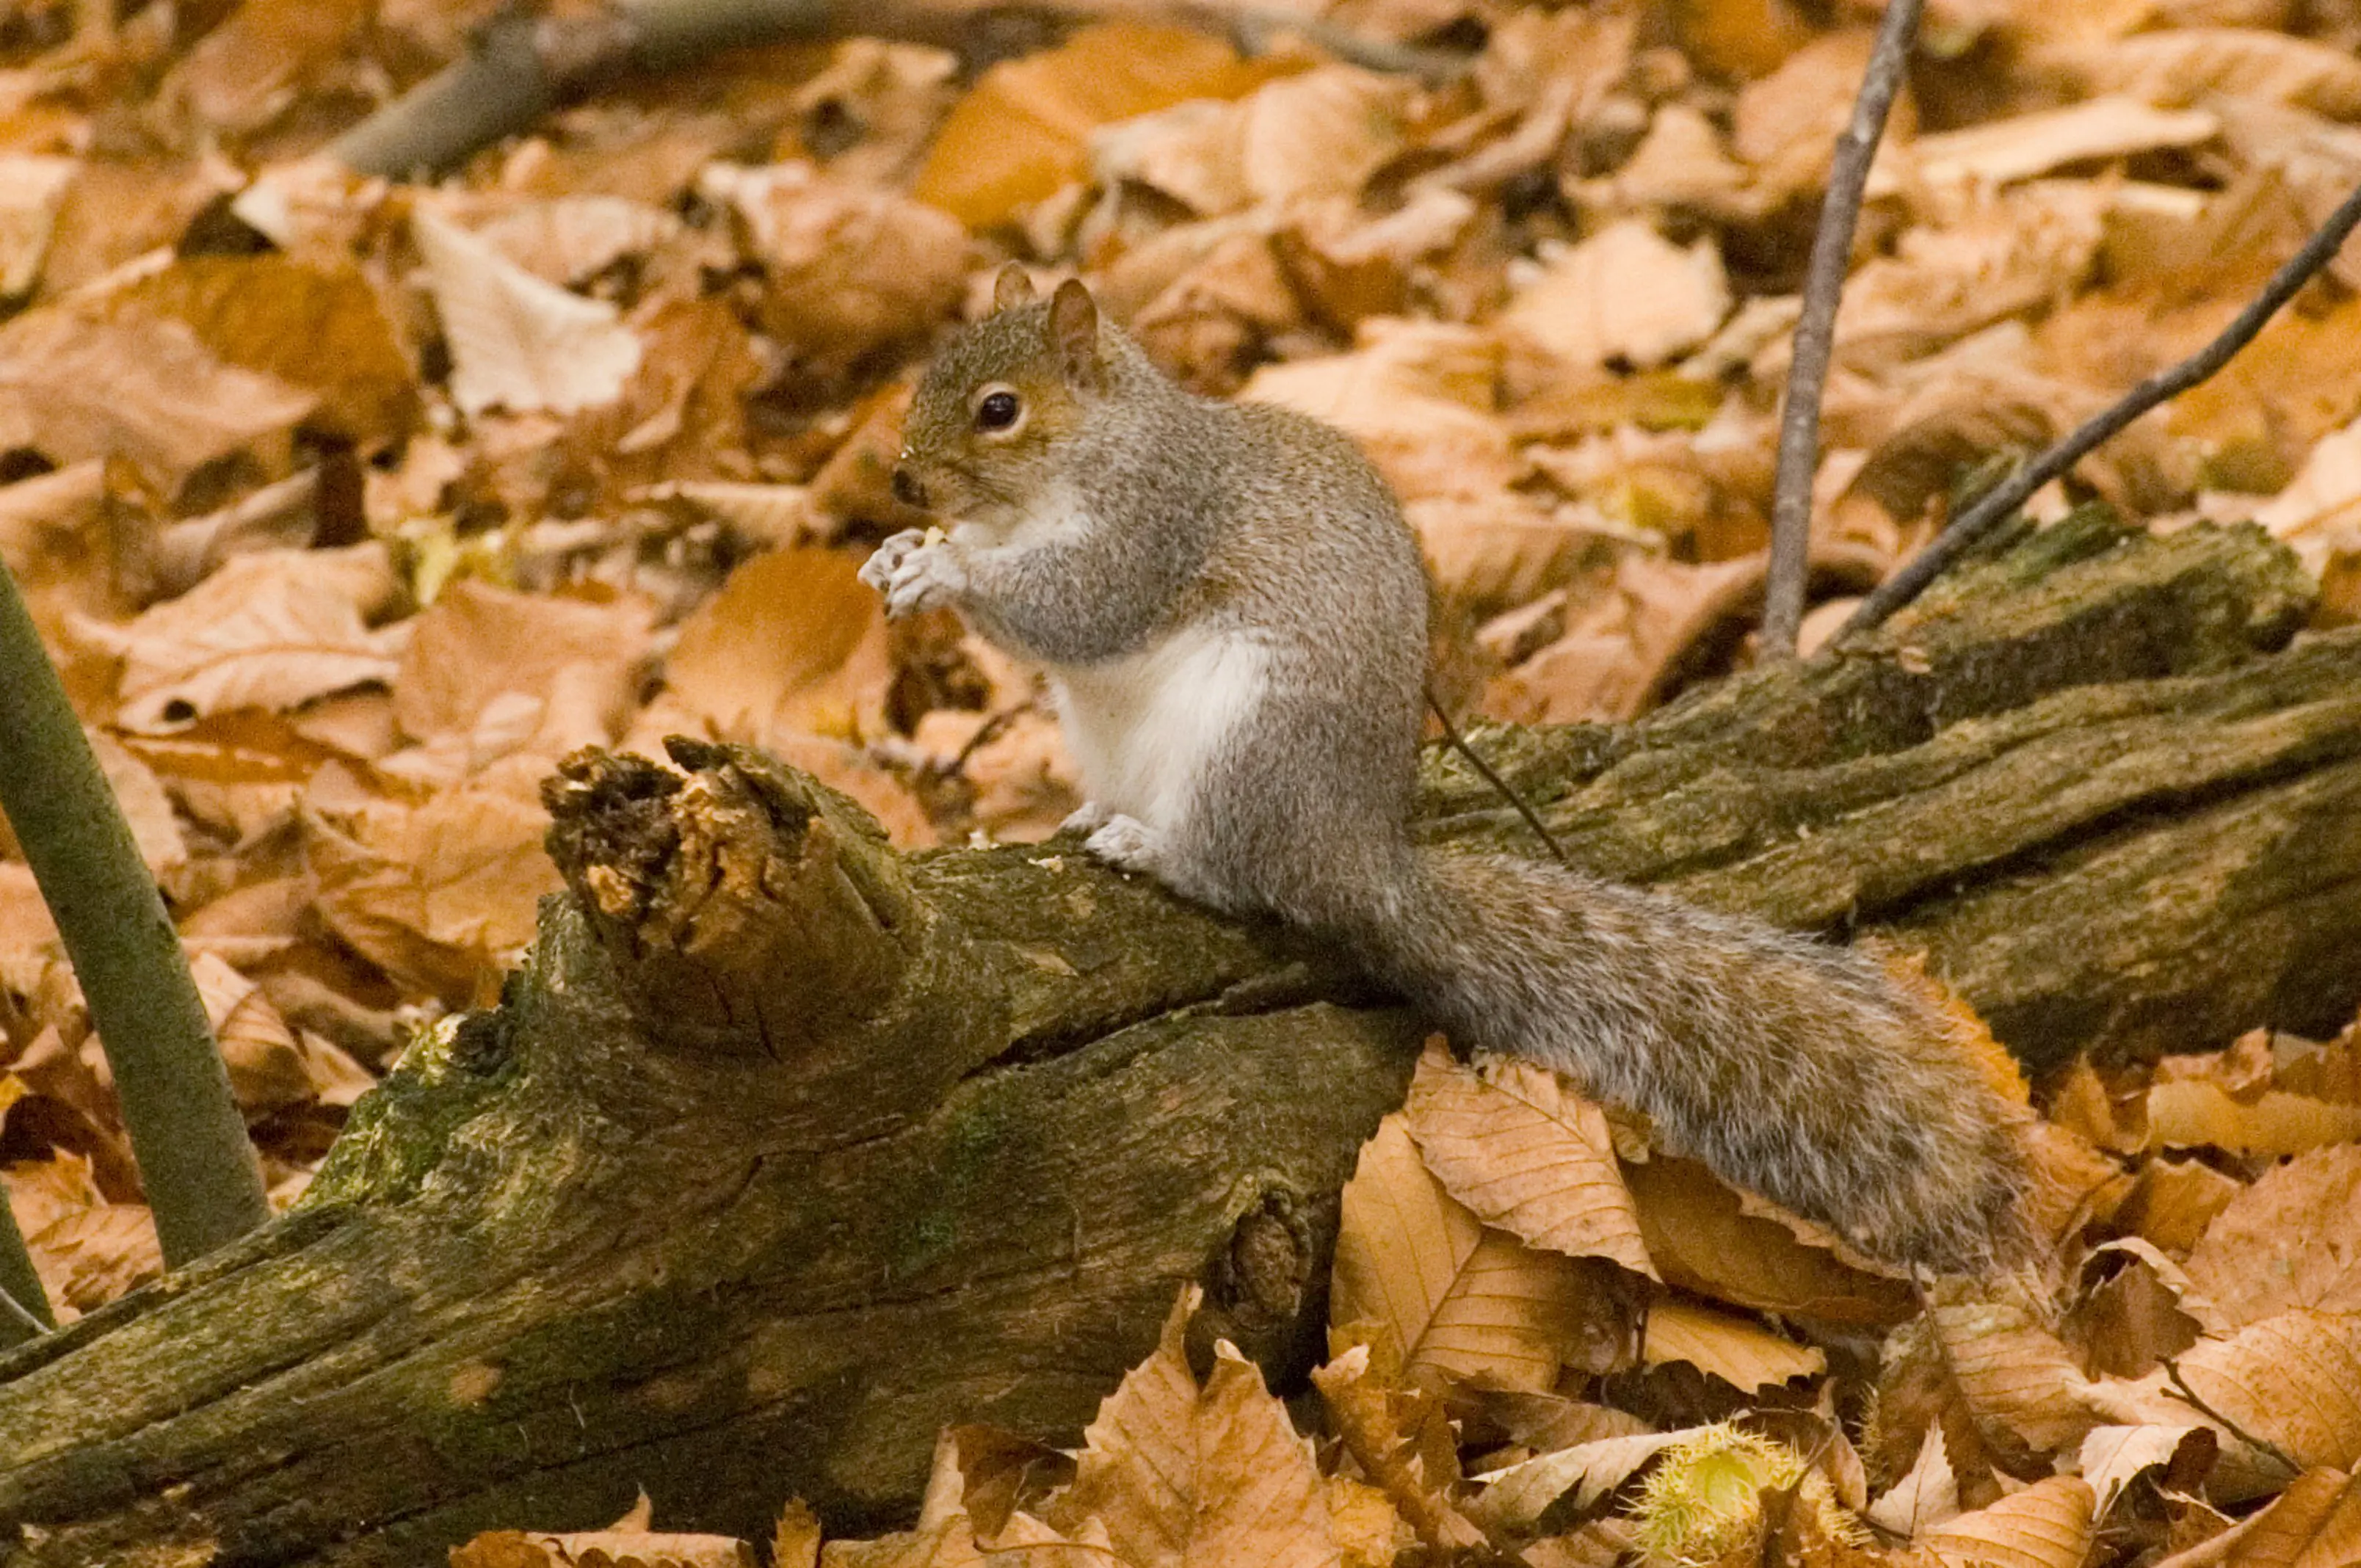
[[913, 574], [1126, 843], [1086, 819]]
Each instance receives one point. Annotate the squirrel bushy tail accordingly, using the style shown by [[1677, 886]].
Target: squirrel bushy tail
[[1830, 1086]]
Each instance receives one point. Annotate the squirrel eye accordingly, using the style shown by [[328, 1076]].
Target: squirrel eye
[[997, 411]]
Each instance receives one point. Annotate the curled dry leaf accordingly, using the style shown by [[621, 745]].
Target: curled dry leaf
[[1515, 1498], [1626, 295], [1420, 397], [1525, 1153], [1926, 1496], [1176, 1474], [88, 1257], [794, 642], [1023, 131], [477, 643], [848, 269], [270, 630], [1738, 1351], [32, 188], [72, 389], [2293, 1239], [266, 1070], [638, 1547], [2189, 65], [1702, 1235], [2013, 1372], [2188, 1113], [2048, 1525], [1999, 151], [2315, 1523], [1450, 1299], [518, 342], [2111, 1456]]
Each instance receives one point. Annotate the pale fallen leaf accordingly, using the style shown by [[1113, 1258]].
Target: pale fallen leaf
[[847, 269], [517, 342], [1524, 1153], [146, 807], [794, 642], [1701, 1233], [2180, 66], [2320, 510], [270, 630], [1626, 295], [1177, 1475], [1738, 1351], [32, 188], [2048, 1525], [265, 1067], [88, 1257], [2173, 1200], [2293, 1239], [1998, 151], [1450, 1299], [1928, 1496], [477, 644], [2188, 1113], [2112, 1457], [570, 240], [1515, 1497], [2315, 1523], [2012, 1370], [74, 389], [1419, 396]]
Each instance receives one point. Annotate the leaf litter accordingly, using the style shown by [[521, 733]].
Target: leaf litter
[[347, 508]]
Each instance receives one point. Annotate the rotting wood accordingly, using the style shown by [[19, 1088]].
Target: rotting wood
[[784, 1150]]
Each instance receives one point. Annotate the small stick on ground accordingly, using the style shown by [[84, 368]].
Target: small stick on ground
[[2181, 1391], [2007, 497], [1816, 330]]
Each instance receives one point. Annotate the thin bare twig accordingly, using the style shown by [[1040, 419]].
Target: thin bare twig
[[1508, 791], [2181, 1391], [1816, 330], [2004, 499]]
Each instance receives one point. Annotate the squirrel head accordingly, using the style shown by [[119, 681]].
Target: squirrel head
[[983, 440]]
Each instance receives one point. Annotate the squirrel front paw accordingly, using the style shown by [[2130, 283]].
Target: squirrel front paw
[[913, 574], [1088, 817], [1126, 843]]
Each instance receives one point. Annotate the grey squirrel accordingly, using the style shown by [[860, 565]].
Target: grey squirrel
[[1232, 613]]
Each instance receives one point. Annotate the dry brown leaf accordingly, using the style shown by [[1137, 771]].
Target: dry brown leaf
[[88, 1257], [1516, 1497], [1175, 1475], [1625, 294], [847, 269], [32, 188], [572, 239], [2293, 1239], [518, 342], [620, 1548], [1700, 1233], [2188, 1113], [1320, 133], [1999, 151], [1525, 1153], [246, 73], [1021, 132], [1926, 1496], [2188, 65], [320, 329], [2010, 1370], [74, 389], [270, 630], [2111, 1456], [1738, 1351], [2319, 513], [1419, 396], [477, 644], [436, 894], [1450, 1298], [2172, 1201], [792, 643], [1786, 123], [2293, 1379], [265, 1067], [1502, 549], [2048, 1525], [2315, 1523]]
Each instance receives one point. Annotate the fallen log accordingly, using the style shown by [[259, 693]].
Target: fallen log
[[783, 1151]]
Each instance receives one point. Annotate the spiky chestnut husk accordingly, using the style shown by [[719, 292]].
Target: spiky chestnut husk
[[1704, 1498]]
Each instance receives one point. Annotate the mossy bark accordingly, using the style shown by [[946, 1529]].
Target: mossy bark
[[785, 1151]]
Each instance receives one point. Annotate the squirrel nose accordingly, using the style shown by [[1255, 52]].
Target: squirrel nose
[[906, 489]]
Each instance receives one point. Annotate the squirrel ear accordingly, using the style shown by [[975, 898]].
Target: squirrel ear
[[1012, 288], [1074, 333]]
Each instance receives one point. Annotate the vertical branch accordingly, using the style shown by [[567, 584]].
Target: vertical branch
[[201, 1178], [2004, 499], [1816, 330], [24, 1305]]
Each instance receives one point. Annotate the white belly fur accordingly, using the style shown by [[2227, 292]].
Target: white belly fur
[[1143, 730]]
